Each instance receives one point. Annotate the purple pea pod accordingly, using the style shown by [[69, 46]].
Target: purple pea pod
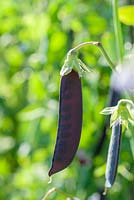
[[70, 122]]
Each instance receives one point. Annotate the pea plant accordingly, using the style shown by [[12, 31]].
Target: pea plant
[[70, 103]]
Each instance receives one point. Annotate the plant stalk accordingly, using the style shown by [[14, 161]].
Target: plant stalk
[[49, 193], [56, 190], [99, 45], [118, 32]]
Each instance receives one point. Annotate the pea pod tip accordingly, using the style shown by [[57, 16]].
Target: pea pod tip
[[50, 180], [50, 173], [105, 191], [108, 184]]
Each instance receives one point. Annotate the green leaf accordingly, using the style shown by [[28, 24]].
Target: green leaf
[[123, 111], [131, 112], [6, 143], [125, 114], [114, 117], [31, 112], [68, 64], [126, 15], [108, 110], [67, 67], [73, 62], [65, 70], [125, 173], [78, 67], [84, 67], [125, 123], [124, 102]]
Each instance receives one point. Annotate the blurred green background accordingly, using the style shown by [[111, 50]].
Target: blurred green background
[[35, 36]]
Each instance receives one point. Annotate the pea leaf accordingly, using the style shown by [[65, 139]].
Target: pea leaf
[[126, 14], [108, 110], [114, 117], [124, 110], [84, 67]]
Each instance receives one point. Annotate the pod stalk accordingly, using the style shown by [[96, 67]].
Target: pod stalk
[[101, 48]]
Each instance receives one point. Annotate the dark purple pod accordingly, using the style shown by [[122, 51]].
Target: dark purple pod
[[70, 122], [113, 154]]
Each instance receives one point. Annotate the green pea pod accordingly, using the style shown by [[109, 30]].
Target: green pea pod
[[113, 154]]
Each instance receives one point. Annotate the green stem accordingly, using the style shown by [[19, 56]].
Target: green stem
[[130, 131], [118, 32], [56, 190], [65, 194], [99, 45], [132, 146], [49, 193], [106, 57]]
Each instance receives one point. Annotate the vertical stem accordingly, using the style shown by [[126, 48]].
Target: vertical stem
[[118, 32], [131, 28], [132, 146]]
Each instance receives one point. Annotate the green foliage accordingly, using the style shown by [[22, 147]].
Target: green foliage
[[35, 36], [126, 14], [123, 111], [73, 62]]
